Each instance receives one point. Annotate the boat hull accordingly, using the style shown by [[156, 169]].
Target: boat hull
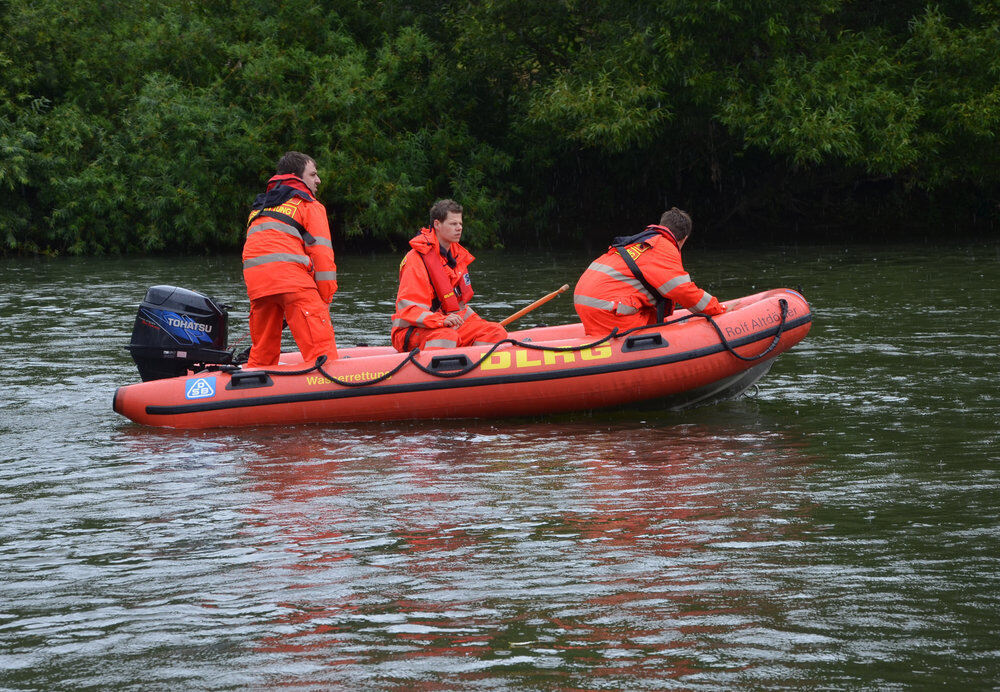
[[689, 361]]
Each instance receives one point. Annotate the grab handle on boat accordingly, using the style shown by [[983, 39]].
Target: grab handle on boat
[[449, 362], [643, 342], [249, 380]]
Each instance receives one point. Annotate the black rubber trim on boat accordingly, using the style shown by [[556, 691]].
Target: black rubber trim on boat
[[449, 383]]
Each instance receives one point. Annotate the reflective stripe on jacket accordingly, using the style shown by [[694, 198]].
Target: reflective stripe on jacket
[[608, 284], [288, 246]]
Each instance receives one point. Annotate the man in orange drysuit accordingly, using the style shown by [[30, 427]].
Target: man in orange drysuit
[[432, 308], [288, 265], [637, 281]]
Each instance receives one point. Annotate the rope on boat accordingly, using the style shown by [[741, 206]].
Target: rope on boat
[[783, 305], [411, 357]]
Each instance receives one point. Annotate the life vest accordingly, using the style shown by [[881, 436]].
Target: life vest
[[664, 307], [450, 296]]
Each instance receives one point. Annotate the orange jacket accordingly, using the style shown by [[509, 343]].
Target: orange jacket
[[417, 304], [608, 283], [277, 256]]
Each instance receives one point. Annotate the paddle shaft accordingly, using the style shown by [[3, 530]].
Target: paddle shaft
[[525, 310]]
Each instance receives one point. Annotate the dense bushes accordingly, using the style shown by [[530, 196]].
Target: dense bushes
[[129, 127]]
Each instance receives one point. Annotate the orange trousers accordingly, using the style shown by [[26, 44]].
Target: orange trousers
[[474, 330], [308, 318]]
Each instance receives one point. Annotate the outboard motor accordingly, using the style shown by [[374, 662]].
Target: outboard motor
[[177, 330]]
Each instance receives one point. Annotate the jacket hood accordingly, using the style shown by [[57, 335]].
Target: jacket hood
[[281, 188], [427, 240], [649, 232]]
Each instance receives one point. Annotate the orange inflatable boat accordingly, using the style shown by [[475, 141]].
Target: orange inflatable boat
[[689, 360]]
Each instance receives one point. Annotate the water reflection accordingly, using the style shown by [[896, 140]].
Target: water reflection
[[416, 554]]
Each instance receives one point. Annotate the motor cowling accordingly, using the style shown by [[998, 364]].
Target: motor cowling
[[176, 331]]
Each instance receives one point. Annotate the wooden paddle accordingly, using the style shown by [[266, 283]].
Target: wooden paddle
[[525, 310]]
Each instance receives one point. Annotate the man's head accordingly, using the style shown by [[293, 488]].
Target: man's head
[[678, 222], [441, 209], [446, 220], [298, 164]]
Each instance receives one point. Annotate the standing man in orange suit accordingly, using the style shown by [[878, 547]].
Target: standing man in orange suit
[[288, 265]]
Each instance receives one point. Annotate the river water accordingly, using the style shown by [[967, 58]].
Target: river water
[[841, 530]]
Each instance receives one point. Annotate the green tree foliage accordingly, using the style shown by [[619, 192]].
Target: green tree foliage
[[131, 127]]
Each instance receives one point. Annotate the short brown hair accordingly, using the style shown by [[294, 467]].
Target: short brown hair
[[441, 209], [679, 222], [293, 162]]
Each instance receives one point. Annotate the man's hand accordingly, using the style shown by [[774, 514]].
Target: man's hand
[[453, 320]]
